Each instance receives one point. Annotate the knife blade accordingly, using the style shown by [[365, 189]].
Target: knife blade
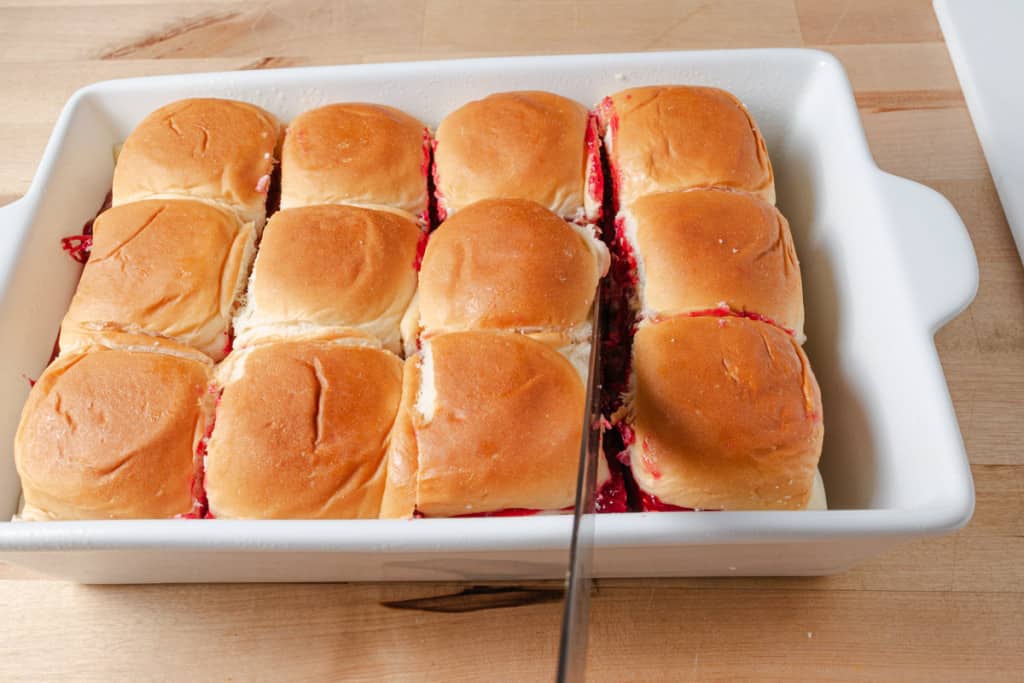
[[572, 655]]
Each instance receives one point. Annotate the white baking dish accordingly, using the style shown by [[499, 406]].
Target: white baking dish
[[885, 263]]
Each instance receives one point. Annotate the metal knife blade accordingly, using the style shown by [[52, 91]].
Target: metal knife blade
[[572, 655]]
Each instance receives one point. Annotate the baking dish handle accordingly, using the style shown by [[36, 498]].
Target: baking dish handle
[[936, 250]]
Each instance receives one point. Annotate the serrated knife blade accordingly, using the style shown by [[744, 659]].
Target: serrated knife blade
[[572, 655]]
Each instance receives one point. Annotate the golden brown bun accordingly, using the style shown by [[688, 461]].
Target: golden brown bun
[[165, 268], [214, 150], [727, 415], [509, 264], [498, 420], [362, 154], [336, 267], [301, 431], [700, 249], [528, 145], [113, 434], [664, 138]]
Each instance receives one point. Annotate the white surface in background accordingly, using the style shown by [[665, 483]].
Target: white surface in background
[[986, 41]]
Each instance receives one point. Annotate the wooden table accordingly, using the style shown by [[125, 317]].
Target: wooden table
[[944, 609]]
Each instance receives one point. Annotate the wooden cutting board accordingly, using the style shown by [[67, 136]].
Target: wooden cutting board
[[949, 609]]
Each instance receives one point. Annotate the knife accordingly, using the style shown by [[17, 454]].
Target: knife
[[572, 651]]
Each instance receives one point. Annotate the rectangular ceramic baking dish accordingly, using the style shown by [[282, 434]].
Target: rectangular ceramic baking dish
[[886, 262]]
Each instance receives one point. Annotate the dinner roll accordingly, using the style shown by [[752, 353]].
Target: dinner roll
[[490, 421], [663, 138], [331, 268], [220, 151], [167, 268], [706, 249], [355, 153], [725, 414], [113, 434], [526, 145], [302, 429]]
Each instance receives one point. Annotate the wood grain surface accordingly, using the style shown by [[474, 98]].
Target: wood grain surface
[[948, 609]]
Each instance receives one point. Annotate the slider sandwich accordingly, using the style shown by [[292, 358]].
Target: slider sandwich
[[113, 433], [359, 154], [663, 138], [166, 268], [712, 251], [523, 145], [302, 429], [723, 413], [490, 424], [329, 270], [508, 264], [212, 150]]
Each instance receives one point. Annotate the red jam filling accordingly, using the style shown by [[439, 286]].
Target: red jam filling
[[425, 169], [507, 512], [620, 316], [421, 249], [725, 311], [627, 259], [229, 341], [595, 178], [651, 503], [273, 202], [79, 246], [438, 195], [200, 505], [612, 496]]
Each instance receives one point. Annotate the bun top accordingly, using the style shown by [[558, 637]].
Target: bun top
[[112, 434], [331, 266], [498, 421], [705, 249], [164, 267], [726, 414], [354, 153], [215, 150], [526, 145], [302, 428], [509, 264], [664, 138]]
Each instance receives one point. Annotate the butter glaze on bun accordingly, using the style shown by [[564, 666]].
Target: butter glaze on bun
[[509, 264], [489, 421], [710, 248], [331, 268], [167, 268], [523, 145], [302, 430], [356, 153], [112, 434], [726, 414], [664, 138], [214, 150]]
